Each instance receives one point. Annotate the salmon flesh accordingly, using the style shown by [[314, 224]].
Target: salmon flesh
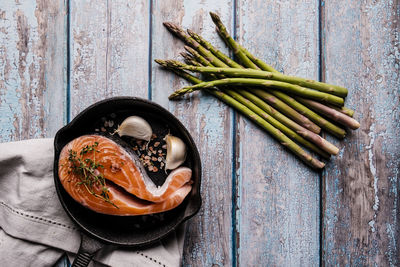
[[107, 178]]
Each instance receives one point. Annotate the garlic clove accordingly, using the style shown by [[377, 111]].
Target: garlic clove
[[176, 152], [136, 127]]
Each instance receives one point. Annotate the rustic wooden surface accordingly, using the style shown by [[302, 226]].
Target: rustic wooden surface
[[361, 186], [208, 240], [32, 69], [261, 205], [278, 207]]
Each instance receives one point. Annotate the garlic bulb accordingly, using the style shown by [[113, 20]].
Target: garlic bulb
[[176, 152], [136, 127]]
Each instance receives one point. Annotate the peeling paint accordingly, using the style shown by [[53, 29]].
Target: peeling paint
[[279, 196], [364, 195], [277, 215], [209, 122], [25, 54]]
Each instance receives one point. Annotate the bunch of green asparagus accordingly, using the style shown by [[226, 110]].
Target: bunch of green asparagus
[[291, 109]]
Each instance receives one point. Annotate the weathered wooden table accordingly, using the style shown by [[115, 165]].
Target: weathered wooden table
[[261, 205]]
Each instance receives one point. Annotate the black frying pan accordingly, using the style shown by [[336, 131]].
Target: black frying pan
[[133, 231]]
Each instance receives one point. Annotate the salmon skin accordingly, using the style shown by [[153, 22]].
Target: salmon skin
[[127, 189]]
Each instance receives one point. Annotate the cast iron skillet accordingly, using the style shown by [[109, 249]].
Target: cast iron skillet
[[133, 231]]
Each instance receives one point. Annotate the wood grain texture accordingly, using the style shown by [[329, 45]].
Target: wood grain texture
[[361, 187], [208, 237], [109, 51], [269, 213], [32, 48], [278, 195]]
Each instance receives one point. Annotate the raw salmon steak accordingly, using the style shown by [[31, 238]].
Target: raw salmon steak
[[126, 187]]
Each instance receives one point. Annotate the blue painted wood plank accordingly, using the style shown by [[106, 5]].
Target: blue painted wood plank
[[208, 236], [32, 49], [361, 187], [278, 195], [109, 51]]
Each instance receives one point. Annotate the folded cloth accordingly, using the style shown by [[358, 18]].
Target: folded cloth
[[36, 231]]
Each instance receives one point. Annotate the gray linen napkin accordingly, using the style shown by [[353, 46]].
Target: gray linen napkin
[[35, 230]]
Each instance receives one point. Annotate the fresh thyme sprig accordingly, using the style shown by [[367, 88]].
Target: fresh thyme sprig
[[87, 171]]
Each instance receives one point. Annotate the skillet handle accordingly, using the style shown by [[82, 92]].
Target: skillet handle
[[88, 248]]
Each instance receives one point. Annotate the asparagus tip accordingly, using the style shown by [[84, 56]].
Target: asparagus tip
[[160, 61], [172, 27], [173, 64], [173, 96], [191, 33], [318, 165], [194, 35], [190, 50], [187, 56], [215, 17], [167, 24]]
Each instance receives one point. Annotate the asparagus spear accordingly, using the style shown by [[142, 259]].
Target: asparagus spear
[[344, 110], [333, 127], [337, 131], [330, 113], [307, 134], [175, 29], [227, 60], [340, 132], [275, 123], [287, 87], [330, 148], [261, 64], [283, 139], [180, 73], [309, 131], [197, 56], [287, 110], [264, 66], [260, 74], [232, 44], [323, 123], [242, 55], [277, 103], [187, 57]]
